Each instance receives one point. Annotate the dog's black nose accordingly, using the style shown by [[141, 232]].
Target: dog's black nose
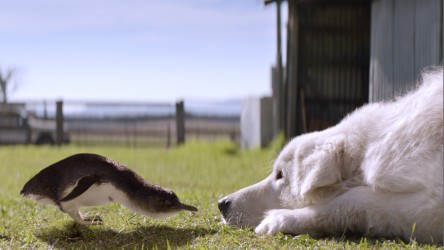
[[224, 205]]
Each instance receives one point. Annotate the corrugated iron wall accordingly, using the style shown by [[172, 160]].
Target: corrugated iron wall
[[406, 37], [328, 70]]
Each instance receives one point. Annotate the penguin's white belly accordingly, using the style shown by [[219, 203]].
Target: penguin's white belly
[[40, 199], [97, 194], [105, 192]]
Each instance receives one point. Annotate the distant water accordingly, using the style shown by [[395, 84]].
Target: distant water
[[99, 110]]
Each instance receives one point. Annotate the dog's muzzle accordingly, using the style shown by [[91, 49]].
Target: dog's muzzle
[[224, 206]]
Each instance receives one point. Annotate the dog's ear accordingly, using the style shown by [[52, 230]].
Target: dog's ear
[[322, 167]]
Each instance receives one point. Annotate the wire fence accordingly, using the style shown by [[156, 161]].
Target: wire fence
[[141, 124]]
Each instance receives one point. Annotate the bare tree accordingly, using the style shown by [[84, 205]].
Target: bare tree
[[6, 83]]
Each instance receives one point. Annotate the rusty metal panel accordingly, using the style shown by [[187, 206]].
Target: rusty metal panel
[[381, 58], [403, 40], [335, 56], [428, 33], [333, 62]]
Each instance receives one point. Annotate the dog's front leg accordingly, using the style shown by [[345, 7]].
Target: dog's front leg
[[275, 221], [348, 212], [292, 221], [363, 211]]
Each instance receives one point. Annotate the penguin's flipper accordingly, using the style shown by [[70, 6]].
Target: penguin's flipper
[[82, 185]]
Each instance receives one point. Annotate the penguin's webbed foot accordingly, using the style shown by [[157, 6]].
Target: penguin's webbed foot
[[74, 213], [93, 221], [84, 220]]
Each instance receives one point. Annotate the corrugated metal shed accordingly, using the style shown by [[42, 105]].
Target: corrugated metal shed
[[328, 62], [343, 53], [406, 36]]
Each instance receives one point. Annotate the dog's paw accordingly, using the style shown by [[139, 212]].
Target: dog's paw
[[273, 223]]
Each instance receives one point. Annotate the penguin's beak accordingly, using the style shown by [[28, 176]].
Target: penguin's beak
[[188, 207]]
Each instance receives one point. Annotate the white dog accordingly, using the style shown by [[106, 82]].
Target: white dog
[[379, 172]]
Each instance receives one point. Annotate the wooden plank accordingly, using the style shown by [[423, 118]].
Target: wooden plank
[[279, 68], [59, 123], [291, 118], [180, 122]]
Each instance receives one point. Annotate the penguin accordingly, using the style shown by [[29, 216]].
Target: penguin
[[91, 180]]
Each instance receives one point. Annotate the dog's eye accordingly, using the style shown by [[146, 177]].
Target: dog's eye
[[279, 175]]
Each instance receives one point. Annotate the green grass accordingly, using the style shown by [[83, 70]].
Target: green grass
[[200, 173]]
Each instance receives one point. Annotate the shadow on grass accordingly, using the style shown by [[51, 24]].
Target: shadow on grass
[[161, 237]]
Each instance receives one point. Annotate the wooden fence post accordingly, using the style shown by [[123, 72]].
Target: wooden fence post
[[168, 135], [180, 122], [59, 123]]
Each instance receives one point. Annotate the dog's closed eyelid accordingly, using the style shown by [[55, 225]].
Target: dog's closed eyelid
[[279, 175]]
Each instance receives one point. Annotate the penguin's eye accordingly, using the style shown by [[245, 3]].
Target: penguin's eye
[[167, 202]]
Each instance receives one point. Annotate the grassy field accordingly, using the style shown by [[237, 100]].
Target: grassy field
[[200, 173]]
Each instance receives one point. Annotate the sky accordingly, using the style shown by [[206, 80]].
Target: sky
[[138, 50]]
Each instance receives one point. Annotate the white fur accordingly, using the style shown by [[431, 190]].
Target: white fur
[[378, 172]]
